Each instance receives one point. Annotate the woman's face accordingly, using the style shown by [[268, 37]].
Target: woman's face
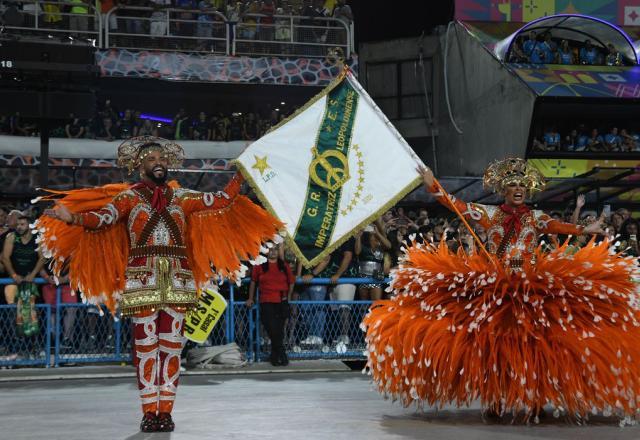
[[632, 229], [374, 243], [514, 194], [273, 253], [616, 221]]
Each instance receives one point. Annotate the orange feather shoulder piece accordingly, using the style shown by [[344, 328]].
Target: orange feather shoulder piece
[[219, 240], [95, 260]]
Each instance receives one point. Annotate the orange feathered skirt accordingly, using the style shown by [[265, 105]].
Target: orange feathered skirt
[[562, 332]]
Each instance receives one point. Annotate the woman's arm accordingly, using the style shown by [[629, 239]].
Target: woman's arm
[[357, 248], [379, 231], [471, 211], [576, 212], [252, 291]]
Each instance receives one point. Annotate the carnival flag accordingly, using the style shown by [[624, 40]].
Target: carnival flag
[[330, 169]]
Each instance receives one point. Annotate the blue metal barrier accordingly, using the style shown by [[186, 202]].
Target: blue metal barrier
[[339, 322], [82, 335]]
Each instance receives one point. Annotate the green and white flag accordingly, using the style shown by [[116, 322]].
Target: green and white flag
[[330, 169]]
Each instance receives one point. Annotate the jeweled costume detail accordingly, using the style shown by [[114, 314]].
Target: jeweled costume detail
[[525, 329]]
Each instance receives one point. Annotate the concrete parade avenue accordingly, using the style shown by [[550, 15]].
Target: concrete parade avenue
[[307, 405]]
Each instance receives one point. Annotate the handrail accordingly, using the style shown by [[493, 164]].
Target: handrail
[[272, 45], [40, 12], [168, 20], [329, 23]]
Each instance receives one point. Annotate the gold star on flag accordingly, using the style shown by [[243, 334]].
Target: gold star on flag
[[261, 164]]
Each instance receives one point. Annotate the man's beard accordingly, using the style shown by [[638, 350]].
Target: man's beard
[[157, 180], [21, 233]]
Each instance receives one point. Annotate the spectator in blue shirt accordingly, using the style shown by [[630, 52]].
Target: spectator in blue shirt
[[551, 140], [595, 142], [589, 54], [583, 141], [612, 141], [529, 45], [538, 55], [204, 27], [549, 47], [565, 54]]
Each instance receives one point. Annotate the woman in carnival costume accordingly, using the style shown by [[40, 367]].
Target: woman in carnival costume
[[512, 326]]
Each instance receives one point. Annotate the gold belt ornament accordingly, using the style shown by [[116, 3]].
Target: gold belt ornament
[[164, 278]]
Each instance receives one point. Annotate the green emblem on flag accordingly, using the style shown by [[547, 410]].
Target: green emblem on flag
[[328, 171]]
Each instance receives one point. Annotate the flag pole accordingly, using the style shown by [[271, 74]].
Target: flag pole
[[444, 193]]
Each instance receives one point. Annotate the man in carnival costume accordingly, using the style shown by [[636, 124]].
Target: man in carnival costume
[[147, 249], [513, 325]]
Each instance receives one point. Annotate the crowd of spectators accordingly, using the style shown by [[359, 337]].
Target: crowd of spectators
[[111, 124], [263, 20], [545, 49], [372, 253], [586, 139]]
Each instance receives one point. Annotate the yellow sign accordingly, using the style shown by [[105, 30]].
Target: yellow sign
[[534, 9], [564, 168], [200, 321]]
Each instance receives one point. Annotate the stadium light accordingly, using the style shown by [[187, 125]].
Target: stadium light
[[155, 118]]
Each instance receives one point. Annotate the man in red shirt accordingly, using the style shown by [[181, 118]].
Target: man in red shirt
[[276, 282]]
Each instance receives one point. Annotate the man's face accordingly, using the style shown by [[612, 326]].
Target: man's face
[[22, 227], [155, 166], [514, 194]]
